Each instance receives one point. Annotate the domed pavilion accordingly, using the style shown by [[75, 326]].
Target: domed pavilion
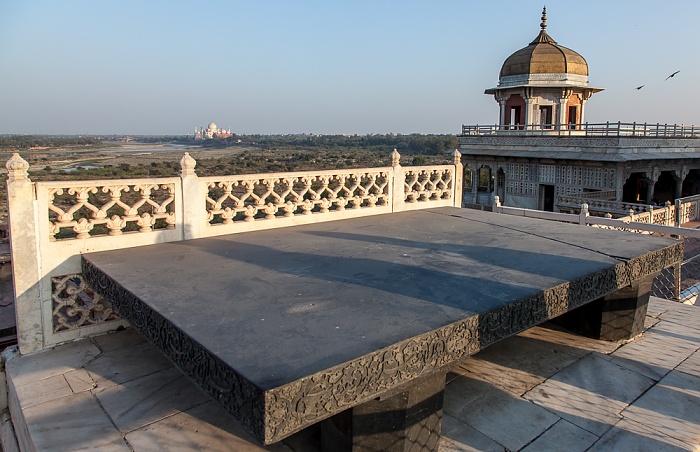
[[543, 154], [543, 85]]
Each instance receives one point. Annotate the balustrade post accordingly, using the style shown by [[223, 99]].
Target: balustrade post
[[193, 199], [26, 271], [458, 178], [497, 205], [679, 213], [398, 195], [583, 215]]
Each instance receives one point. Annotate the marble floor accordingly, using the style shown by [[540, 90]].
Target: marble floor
[[542, 390]]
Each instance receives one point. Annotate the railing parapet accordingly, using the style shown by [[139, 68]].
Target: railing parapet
[[607, 129], [51, 223]]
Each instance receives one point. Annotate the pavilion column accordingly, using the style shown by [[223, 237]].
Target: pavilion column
[[476, 174], [529, 103], [620, 179], [563, 99], [585, 95], [655, 174]]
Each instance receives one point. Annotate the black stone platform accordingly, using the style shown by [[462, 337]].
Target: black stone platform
[[288, 327]]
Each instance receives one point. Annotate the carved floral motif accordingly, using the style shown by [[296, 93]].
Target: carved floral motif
[[86, 211], [76, 305], [428, 184], [246, 198]]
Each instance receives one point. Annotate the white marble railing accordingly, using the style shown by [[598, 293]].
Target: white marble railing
[[598, 204], [688, 209], [658, 221], [79, 210], [52, 223]]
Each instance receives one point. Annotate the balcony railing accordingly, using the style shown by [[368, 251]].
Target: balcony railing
[[606, 129]]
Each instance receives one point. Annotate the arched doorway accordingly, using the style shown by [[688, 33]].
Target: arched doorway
[[664, 188], [501, 185], [691, 184], [635, 189]]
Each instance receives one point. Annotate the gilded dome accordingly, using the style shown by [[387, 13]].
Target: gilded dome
[[544, 56]]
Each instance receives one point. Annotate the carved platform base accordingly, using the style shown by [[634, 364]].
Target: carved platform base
[[615, 317], [408, 420]]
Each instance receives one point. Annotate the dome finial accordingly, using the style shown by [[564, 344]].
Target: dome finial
[[543, 24]]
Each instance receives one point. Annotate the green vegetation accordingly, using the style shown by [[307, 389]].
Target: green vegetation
[[410, 144], [18, 142]]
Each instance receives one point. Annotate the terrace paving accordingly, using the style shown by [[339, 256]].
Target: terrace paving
[[544, 389]]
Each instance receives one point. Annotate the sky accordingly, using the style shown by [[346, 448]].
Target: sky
[[326, 67]]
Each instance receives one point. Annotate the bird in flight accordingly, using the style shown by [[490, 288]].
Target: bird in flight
[[639, 87], [672, 75]]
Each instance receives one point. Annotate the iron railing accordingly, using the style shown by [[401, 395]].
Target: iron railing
[[605, 129]]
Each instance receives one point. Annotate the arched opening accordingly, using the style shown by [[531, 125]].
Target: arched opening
[[514, 112], [635, 189], [468, 178], [485, 179], [573, 111], [501, 185], [664, 188], [691, 184]]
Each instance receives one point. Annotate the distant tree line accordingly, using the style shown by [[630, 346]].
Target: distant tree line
[[30, 141], [413, 143]]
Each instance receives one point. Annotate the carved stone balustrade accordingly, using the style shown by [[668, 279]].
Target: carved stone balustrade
[[52, 223]]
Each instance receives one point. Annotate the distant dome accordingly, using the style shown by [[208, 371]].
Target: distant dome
[[212, 126], [544, 56]]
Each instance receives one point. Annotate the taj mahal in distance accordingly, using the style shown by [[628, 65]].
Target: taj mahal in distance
[[212, 131]]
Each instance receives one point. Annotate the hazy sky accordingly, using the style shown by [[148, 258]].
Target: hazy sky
[[268, 66]]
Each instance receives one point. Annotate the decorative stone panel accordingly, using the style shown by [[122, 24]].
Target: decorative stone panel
[[76, 305], [88, 210]]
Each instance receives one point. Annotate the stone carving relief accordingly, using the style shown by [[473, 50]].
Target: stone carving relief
[[287, 409], [76, 305], [86, 211], [286, 195], [428, 184]]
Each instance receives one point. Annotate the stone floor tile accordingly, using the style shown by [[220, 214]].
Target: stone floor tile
[[655, 353], [589, 393], [686, 315], [488, 409], [657, 306], [691, 365], [118, 339], [671, 407], [550, 332], [630, 436], [49, 389], [125, 364], [79, 380], [72, 423], [139, 402], [519, 363], [684, 333], [206, 427], [459, 437], [562, 433], [52, 362]]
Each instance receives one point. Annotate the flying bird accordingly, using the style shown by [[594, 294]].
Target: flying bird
[[639, 87], [672, 75]]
